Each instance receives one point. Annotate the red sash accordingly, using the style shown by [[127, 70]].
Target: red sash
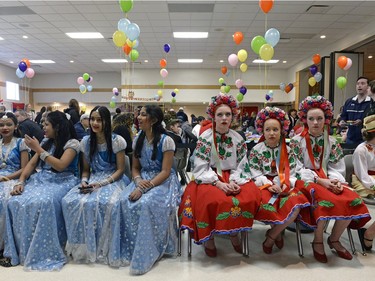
[[371, 173]]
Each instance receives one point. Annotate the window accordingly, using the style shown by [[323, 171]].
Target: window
[[13, 91]]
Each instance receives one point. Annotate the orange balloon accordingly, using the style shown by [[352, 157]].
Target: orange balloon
[[238, 37], [342, 61], [163, 63], [127, 49], [288, 89], [316, 58], [224, 69], [25, 60], [266, 5]]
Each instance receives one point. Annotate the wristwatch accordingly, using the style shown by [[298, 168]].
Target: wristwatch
[[214, 182], [315, 179]]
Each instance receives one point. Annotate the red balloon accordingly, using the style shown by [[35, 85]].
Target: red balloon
[[238, 37], [25, 60], [127, 49], [342, 61], [163, 63], [316, 58], [224, 70], [266, 5]]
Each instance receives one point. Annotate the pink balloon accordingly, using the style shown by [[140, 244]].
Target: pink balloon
[[239, 83], [347, 66], [163, 72], [80, 80], [233, 59], [30, 72]]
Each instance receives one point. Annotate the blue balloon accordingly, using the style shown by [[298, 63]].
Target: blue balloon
[[82, 88], [123, 24], [313, 69], [20, 74], [132, 31], [173, 94], [113, 98], [167, 48], [243, 90], [272, 36], [89, 88], [22, 66]]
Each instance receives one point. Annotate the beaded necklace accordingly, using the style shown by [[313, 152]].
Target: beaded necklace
[[4, 158]]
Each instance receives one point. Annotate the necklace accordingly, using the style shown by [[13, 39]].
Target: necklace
[[4, 158]]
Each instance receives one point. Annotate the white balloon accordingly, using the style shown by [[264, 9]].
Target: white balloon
[[318, 76]]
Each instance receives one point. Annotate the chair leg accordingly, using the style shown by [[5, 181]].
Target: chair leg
[[189, 243], [299, 239], [179, 242], [352, 246], [245, 243], [363, 249]]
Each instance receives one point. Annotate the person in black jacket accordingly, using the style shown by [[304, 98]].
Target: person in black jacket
[[28, 127], [73, 111], [121, 125], [83, 126]]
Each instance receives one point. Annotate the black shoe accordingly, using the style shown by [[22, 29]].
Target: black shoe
[[1, 254], [5, 262], [361, 234]]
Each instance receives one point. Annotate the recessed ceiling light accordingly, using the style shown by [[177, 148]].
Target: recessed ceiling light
[[221, 60], [25, 37], [190, 34], [84, 35], [145, 61], [71, 61], [42, 61], [370, 57], [11, 61], [263, 61], [1, 38], [284, 61], [322, 36], [114, 60], [190, 60]]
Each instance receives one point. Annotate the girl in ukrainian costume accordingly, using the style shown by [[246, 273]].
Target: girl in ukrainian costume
[[14, 155], [146, 213], [87, 207], [222, 199], [35, 228], [321, 167], [273, 169]]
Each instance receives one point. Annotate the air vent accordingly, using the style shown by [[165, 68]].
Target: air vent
[[190, 8], [15, 11], [317, 9], [297, 35]]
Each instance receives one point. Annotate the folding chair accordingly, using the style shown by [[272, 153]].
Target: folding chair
[[181, 157], [128, 169]]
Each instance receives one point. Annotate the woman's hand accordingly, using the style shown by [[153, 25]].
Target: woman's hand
[[145, 184], [228, 188], [332, 185], [275, 189], [135, 195], [17, 189], [234, 187], [32, 143]]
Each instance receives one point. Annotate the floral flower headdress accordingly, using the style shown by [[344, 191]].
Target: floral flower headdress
[[272, 113], [219, 100], [315, 102]]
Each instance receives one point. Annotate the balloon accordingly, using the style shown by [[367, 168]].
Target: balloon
[[233, 59], [266, 5], [116, 94], [114, 90], [243, 67], [270, 93], [222, 89], [134, 55], [242, 55], [272, 36], [271, 99], [243, 90], [91, 79], [318, 77], [257, 42], [342, 61], [20, 74], [173, 94], [163, 63], [173, 100], [119, 38], [127, 49], [267, 97], [89, 88], [289, 87], [132, 31], [122, 24], [82, 88], [80, 80], [312, 81], [239, 83], [22, 66], [239, 97], [86, 76], [167, 48], [224, 69], [347, 66], [160, 93], [341, 82], [176, 91], [129, 42], [227, 89], [126, 5], [313, 69], [157, 98], [161, 83], [25, 60], [112, 104], [164, 73], [113, 98], [221, 81], [316, 58], [238, 37], [135, 43], [282, 86], [266, 52], [29, 73]]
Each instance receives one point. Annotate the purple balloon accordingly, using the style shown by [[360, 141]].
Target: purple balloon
[[22, 66], [313, 69], [173, 94], [291, 86], [167, 48], [223, 84], [243, 90], [268, 97]]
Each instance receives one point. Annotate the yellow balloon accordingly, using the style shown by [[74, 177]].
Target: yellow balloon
[[243, 67], [242, 55], [129, 43], [312, 81], [160, 93], [222, 89], [119, 38], [176, 90], [266, 52]]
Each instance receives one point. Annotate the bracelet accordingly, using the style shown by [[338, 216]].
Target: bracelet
[[111, 179], [141, 190], [136, 177], [153, 185], [214, 183], [44, 155], [20, 183], [315, 179], [5, 178]]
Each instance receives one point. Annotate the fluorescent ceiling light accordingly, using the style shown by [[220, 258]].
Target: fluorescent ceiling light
[[25, 37], [370, 57], [263, 61], [84, 35], [1, 38], [284, 61], [221, 60], [190, 34], [42, 61], [190, 60], [114, 60], [322, 36]]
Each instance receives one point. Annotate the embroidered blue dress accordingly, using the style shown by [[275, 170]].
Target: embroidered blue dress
[[88, 216], [147, 228], [35, 228], [13, 164]]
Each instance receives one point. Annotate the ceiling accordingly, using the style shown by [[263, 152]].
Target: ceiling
[[49, 21]]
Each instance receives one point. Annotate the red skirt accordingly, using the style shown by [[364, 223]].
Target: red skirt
[[326, 205], [206, 210]]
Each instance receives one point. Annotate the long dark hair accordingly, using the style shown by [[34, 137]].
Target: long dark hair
[[155, 115], [11, 116], [107, 130], [64, 131]]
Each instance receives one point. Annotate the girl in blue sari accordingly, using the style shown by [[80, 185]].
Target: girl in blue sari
[[35, 228], [146, 213], [14, 155], [87, 207]]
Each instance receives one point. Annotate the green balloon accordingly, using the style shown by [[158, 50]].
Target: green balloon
[[226, 89], [134, 55], [126, 5], [341, 82], [161, 83], [86, 76], [257, 42], [239, 97], [173, 100], [221, 81], [112, 104]]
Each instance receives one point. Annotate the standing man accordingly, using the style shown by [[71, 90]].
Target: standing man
[[354, 111], [182, 115], [82, 127]]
